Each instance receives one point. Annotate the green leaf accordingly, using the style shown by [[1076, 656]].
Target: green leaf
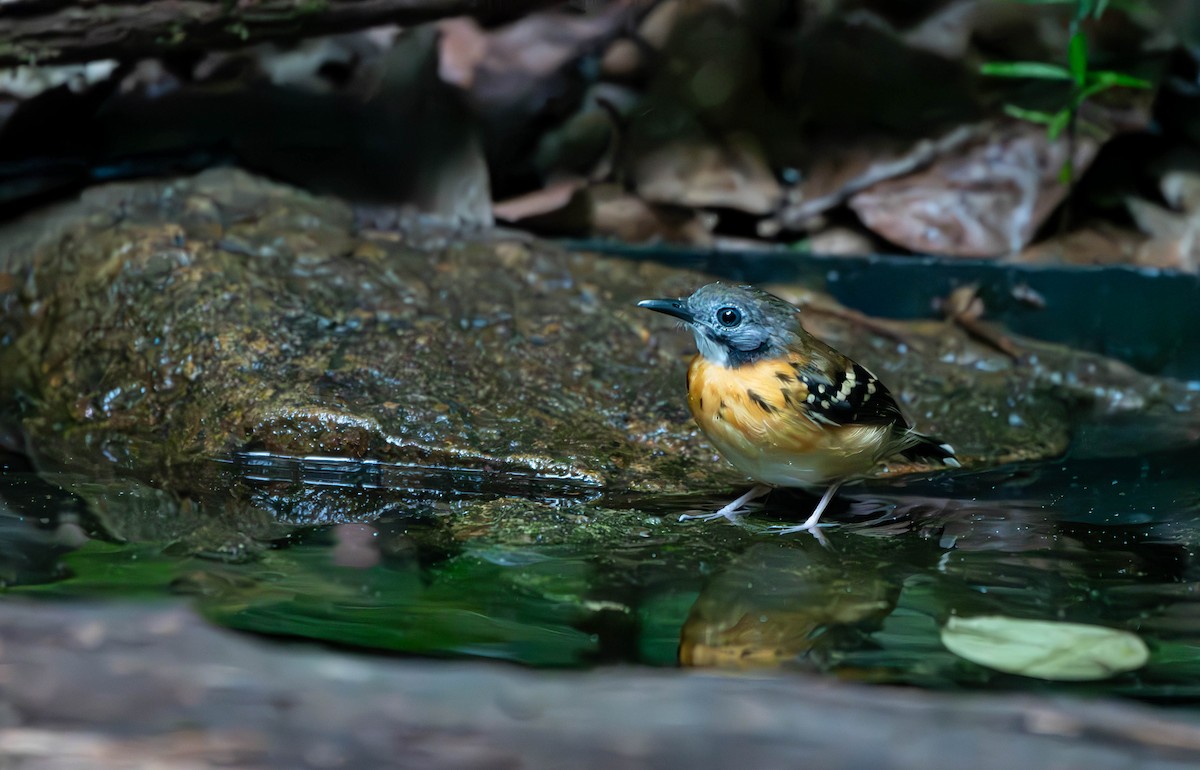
[[1100, 85], [1061, 120], [1033, 116], [1063, 652], [1026, 69], [1098, 11], [1109, 79], [1083, 94], [1077, 57]]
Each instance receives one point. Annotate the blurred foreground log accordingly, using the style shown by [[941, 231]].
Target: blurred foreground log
[[123, 686], [51, 31]]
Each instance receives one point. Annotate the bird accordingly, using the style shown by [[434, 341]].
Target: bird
[[782, 406]]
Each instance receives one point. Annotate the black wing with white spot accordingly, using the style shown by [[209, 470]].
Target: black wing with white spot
[[847, 396]]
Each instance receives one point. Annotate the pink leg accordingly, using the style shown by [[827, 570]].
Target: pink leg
[[812, 520], [733, 511]]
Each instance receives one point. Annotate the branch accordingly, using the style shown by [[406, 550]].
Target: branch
[[55, 31]]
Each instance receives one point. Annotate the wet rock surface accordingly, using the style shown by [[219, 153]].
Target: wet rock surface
[[152, 326], [232, 313]]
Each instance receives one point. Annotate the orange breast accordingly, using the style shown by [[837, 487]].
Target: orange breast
[[754, 415]]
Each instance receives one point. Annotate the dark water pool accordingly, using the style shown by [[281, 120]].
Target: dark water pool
[[1110, 542]]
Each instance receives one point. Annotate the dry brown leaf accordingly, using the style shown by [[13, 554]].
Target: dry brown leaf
[[842, 169], [1097, 243], [618, 214], [699, 174], [461, 47], [547, 200], [986, 199], [506, 65]]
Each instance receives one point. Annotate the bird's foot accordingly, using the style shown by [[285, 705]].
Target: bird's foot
[[733, 512], [734, 515], [811, 524]]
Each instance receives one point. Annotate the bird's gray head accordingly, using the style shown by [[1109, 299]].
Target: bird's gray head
[[734, 325]]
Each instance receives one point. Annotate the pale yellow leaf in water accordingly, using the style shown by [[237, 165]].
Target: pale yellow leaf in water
[[1067, 652]]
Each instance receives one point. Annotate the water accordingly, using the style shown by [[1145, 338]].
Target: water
[[446, 572]]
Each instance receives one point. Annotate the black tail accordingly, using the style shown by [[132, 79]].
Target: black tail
[[926, 448]]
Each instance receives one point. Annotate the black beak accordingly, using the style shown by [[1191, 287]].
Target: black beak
[[672, 307]]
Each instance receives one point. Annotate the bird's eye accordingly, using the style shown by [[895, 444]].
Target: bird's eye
[[729, 316]]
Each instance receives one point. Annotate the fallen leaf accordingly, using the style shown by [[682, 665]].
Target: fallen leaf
[[549, 199], [987, 199], [1042, 649], [1094, 243], [702, 174], [840, 169]]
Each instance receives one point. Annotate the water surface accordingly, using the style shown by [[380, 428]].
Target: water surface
[[1102, 541]]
